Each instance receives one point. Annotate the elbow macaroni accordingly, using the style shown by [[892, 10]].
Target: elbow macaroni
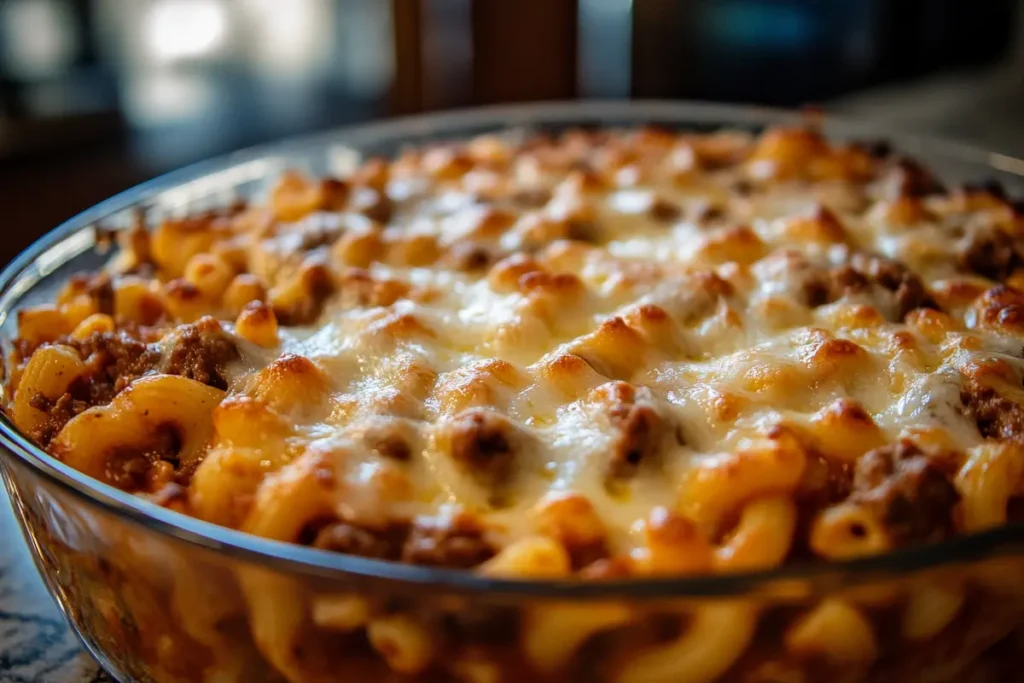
[[715, 638], [607, 355]]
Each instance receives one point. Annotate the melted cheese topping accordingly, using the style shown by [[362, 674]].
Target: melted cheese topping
[[604, 316]]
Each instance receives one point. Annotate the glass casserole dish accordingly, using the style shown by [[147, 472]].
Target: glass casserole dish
[[160, 596]]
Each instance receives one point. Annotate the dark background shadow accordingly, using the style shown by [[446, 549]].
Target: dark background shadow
[[98, 95]]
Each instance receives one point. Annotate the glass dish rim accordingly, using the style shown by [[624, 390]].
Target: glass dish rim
[[294, 558]]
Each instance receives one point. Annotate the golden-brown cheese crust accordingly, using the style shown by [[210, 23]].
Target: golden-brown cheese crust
[[636, 345]]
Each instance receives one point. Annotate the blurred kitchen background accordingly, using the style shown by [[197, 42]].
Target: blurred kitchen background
[[98, 95]]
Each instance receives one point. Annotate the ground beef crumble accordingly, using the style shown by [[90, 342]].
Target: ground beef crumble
[[992, 253], [861, 272], [910, 488], [995, 416], [58, 412], [200, 352], [99, 287], [343, 537], [130, 469], [640, 430], [457, 542], [114, 360], [484, 442]]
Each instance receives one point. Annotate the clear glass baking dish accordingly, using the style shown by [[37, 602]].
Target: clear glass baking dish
[[158, 596]]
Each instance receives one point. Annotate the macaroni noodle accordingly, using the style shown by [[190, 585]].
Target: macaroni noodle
[[600, 355]]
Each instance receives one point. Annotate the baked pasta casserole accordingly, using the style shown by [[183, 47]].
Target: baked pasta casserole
[[595, 355]]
